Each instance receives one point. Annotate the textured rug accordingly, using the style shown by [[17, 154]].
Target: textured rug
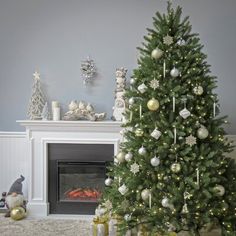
[[44, 227]]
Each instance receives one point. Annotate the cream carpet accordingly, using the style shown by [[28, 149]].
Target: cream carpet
[[44, 227], [55, 227]]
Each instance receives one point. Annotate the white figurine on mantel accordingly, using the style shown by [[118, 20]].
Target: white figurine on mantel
[[82, 111], [119, 106], [45, 113], [37, 100]]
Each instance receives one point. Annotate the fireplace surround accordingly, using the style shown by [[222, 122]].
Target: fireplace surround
[[42, 136]]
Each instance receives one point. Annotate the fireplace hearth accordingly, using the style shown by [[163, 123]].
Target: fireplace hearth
[[76, 176]]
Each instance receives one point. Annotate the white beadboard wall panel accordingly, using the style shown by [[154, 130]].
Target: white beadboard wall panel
[[14, 159]]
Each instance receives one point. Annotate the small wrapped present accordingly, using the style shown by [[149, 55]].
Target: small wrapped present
[[99, 226]]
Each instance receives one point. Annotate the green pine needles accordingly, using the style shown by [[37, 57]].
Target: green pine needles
[[172, 173]]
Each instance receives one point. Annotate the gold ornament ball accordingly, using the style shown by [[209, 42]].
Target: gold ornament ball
[[202, 133], [120, 157], [157, 53], [139, 132], [153, 104], [18, 213], [175, 167]]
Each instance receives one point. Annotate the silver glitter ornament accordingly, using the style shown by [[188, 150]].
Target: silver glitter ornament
[[131, 101], [128, 156], [123, 189], [174, 72], [198, 90], [142, 151], [142, 88], [155, 161], [108, 181], [165, 202]]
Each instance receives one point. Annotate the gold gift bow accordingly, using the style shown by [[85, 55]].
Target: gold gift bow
[[100, 220]]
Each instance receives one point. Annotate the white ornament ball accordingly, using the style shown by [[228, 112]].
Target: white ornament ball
[[131, 101], [145, 194], [157, 53], [165, 202], [120, 157], [132, 81], [202, 132], [220, 190], [142, 151], [127, 217], [174, 72], [155, 161], [198, 90], [128, 156], [108, 181]]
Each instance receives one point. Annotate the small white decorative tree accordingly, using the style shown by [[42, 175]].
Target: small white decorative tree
[[37, 100]]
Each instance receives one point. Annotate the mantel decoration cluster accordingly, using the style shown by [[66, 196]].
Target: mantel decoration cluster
[[83, 111], [38, 106]]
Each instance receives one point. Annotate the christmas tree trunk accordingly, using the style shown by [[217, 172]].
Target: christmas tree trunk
[[172, 173]]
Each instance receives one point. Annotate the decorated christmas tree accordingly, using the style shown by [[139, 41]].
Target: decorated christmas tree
[[37, 100], [172, 172]]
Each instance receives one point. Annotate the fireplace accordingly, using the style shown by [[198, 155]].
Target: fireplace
[[55, 143], [76, 176]]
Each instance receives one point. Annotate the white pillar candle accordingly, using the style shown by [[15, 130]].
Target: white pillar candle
[[56, 113], [55, 104]]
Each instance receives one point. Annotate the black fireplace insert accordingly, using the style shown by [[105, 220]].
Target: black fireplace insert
[[76, 174]]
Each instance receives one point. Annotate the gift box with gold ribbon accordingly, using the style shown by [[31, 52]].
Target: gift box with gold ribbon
[[99, 226]]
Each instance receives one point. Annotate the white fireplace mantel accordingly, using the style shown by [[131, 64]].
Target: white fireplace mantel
[[41, 133]]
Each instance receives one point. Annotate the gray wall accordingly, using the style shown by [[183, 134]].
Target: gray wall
[[53, 36]]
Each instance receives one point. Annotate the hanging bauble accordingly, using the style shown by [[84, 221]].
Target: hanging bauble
[[175, 167], [165, 202], [123, 189], [220, 190], [142, 88], [108, 181], [181, 42], [155, 161], [120, 157], [132, 81], [127, 217], [142, 151], [145, 194], [153, 104], [185, 113], [202, 132], [198, 90], [156, 53], [131, 101], [174, 72], [156, 133], [18, 213], [139, 132], [128, 156]]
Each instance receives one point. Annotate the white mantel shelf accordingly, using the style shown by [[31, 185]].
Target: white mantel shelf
[[88, 126]]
